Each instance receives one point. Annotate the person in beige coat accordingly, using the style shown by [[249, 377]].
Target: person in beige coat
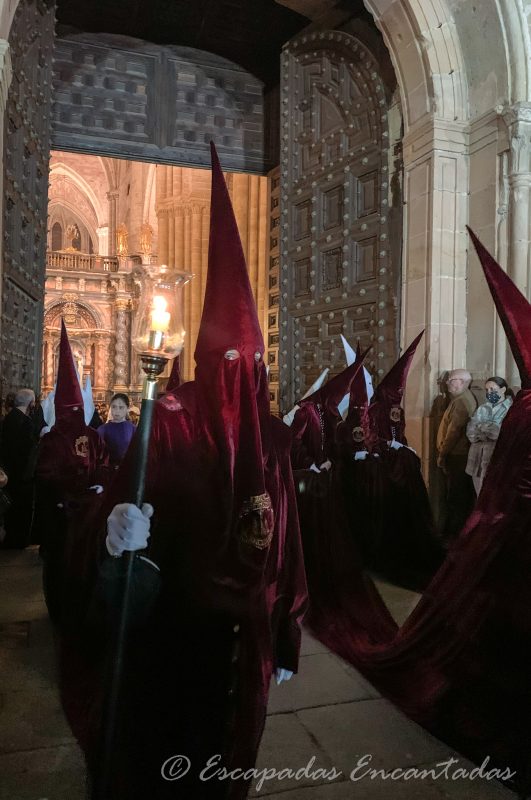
[[452, 452], [484, 428]]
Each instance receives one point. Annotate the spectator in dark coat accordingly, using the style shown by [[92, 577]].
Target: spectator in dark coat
[[19, 450]]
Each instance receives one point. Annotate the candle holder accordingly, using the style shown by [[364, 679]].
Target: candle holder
[[158, 335], [158, 329]]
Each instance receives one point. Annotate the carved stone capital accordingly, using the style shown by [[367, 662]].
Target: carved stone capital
[[122, 304], [519, 112], [518, 120]]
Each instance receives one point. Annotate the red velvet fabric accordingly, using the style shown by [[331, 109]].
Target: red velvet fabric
[[387, 399], [333, 391], [68, 395], [71, 458], [343, 599], [512, 308], [174, 381], [203, 592], [460, 663]]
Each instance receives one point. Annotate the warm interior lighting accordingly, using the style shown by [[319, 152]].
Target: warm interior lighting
[[158, 329], [160, 317]]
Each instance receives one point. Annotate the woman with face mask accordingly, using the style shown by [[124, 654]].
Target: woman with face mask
[[484, 428]]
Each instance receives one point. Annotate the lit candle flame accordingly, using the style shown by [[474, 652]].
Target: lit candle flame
[[160, 318]]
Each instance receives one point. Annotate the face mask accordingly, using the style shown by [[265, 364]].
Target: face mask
[[493, 397]]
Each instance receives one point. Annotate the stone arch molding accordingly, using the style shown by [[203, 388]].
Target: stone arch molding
[[87, 316], [455, 59], [71, 176]]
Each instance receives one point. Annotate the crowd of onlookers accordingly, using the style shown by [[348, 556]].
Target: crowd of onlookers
[[465, 443], [22, 425]]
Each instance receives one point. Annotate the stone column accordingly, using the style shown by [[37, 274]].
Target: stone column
[[163, 234], [49, 377], [171, 238], [194, 292], [433, 267], [121, 358], [103, 240], [500, 348], [102, 340], [112, 197], [518, 120]]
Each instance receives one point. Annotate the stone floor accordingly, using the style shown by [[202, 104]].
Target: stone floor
[[327, 717]]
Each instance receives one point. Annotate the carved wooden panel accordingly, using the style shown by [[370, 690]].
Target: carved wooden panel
[[26, 155], [126, 98], [338, 272]]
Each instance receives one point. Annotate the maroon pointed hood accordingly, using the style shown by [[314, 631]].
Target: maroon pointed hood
[[358, 387], [174, 381], [358, 407], [513, 309], [68, 397], [392, 386], [229, 319], [230, 375], [334, 390], [385, 411]]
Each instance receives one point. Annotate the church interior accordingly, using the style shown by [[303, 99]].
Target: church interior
[[358, 140]]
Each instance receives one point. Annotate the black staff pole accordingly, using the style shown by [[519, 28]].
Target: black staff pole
[[152, 366]]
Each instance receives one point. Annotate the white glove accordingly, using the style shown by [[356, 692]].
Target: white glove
[[128, 528], [97, 488], [361, 455], [394, 445], [314, 468], [283, 675], [326, 465]]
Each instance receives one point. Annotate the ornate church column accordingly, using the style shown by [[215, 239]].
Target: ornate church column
[[102, 340], [112, 197], [518, 120], [49, 377], [121, 359], [195, 294]]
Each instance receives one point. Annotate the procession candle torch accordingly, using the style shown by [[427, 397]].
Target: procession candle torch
[[158, 335]]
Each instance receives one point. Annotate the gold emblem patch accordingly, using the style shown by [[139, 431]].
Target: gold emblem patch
[[81, 446]]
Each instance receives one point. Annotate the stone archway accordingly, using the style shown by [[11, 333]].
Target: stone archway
[[89, 342]]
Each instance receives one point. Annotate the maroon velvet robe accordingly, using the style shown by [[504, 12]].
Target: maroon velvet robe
[[71, 458], [198, 667], [404, 546], [340, 591], [460, 663]]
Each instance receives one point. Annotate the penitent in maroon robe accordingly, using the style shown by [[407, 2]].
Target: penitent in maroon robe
[[460, 665], [71, 459], [231, 587], [339, 589], [404, 545]]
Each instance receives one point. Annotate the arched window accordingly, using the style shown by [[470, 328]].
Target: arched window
[[57, 236]]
